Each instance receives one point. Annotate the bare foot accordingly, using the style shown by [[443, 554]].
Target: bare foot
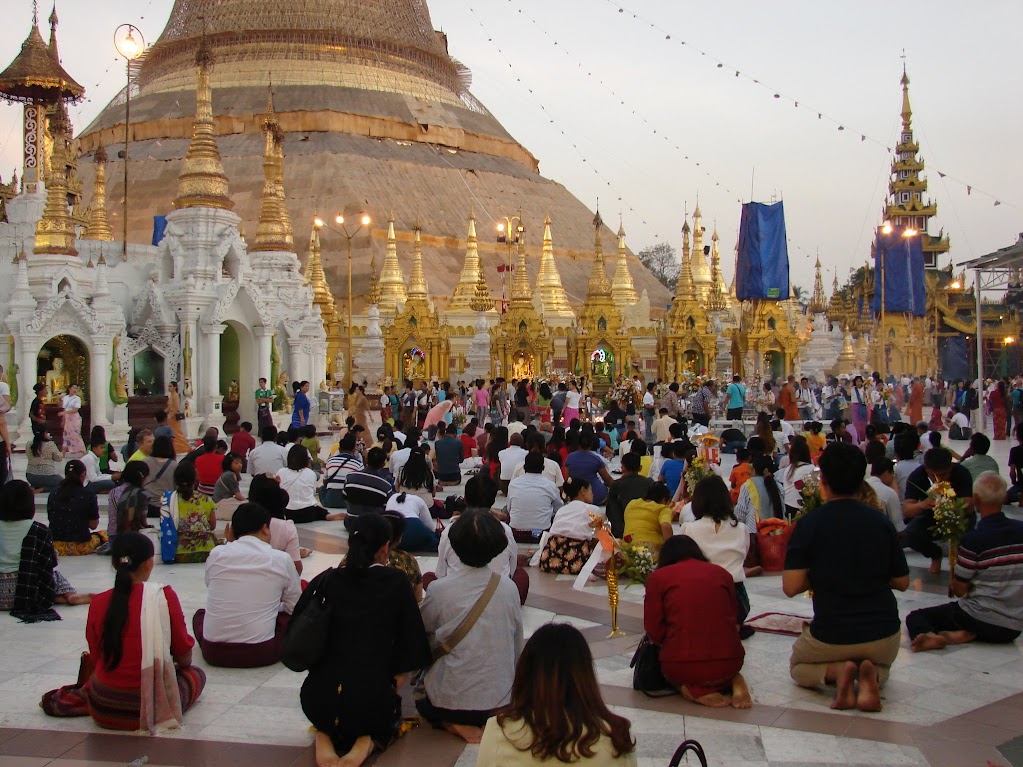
[[753, 572], [957, 637], [929, 641], [465, 732], [869, 696], [360, 753], [304, 552], [710, 700], [335, 517], [326, 756], [935, 566], [741, 697], [845, 697]]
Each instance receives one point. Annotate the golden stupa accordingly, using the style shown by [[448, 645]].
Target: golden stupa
[[375, 116]]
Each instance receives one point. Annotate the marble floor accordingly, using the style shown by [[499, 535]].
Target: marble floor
[[947, 709]]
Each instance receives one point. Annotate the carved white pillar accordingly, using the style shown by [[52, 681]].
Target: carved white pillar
[[99, 381], [209, 393], [264, 342]]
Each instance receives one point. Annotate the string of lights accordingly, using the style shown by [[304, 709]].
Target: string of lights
[[779, 95], [551, 120]]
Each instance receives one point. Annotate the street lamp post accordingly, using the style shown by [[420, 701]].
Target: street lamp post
[[130, 45], [363, 220], [509, 231]]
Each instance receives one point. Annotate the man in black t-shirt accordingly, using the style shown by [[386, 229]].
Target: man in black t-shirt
[[849, 554], [918, 506]]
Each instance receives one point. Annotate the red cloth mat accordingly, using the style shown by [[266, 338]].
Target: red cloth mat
[[779, 623]]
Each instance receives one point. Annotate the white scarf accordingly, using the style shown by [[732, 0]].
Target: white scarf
[[160, 700]]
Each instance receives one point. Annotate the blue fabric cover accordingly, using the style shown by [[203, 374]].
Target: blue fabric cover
[[762, 267], [904, 288], [159, 228]]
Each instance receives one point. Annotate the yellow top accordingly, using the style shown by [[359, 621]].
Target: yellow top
[[643, 520], [393, 294], [508, 746]]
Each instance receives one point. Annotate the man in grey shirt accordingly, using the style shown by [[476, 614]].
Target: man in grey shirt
[[532, 500], [466, 685]]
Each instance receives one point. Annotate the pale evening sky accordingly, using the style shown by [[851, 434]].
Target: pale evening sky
[[842, 59]]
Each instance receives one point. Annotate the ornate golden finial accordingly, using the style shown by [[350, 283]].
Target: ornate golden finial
[[99, 228], [818, 301], [623, 290], [417, 287], [55, 231], [393, 293], [718, 291], [907, 112], [54, 52], [686, 289], [273, 233], [202, 182], [553, 300], [465, 289]]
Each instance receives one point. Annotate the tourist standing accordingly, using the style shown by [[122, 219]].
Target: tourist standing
[[176, 416], [264, 403], [736, 398], [301, 406]]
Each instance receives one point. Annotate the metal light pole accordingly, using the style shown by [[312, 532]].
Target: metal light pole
[[363, 220], [130, 45], [509, 231]]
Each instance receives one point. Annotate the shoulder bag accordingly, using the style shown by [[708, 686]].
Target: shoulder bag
[[646, 670], [446, 646], [305, 642], [685, 747]]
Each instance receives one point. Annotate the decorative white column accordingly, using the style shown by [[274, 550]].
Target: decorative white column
[[264, 341], [209, 393], [99, 381]]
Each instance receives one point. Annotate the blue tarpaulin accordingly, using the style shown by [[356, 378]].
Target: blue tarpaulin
[[955, 362], [159, 228], [904, 289], [762, 267]]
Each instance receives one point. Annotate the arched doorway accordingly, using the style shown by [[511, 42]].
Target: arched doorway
[[237, 355], [602, 365], [64, 361], [692, 361], [774, 364]]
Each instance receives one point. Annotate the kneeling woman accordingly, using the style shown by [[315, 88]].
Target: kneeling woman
[[351, 696], [144, 678], [571, 539], [690, 610]]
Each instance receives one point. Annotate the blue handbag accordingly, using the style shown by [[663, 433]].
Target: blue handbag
[[168, 530]]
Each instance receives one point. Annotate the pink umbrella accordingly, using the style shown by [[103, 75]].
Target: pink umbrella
[[436, 414]]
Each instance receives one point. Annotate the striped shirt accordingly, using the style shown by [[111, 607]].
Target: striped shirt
[[991, 561], [366, 492], [338, 467]]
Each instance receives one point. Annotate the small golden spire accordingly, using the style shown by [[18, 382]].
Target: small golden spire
[[818, 301], [55, 231], [374, 282], [99, 228], [553, 300], [697, 260], [718, 291], [202, 182], [465, 289], [686, 289], [273, 233], [521, 293], [907, 112], [481, 300], [417, 287], [393, 294], [315, 277], [623, 290], [598, 286]]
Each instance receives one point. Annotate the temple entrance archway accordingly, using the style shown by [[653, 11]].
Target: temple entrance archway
[[62, 361], [237, 354]]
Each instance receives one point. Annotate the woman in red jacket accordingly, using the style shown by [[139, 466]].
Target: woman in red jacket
[[690, 610]]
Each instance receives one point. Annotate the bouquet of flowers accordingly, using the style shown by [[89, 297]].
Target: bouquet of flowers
[[810, 492], [950, 519], [636, 562], [625, 394], [697, 469], [458, 419]]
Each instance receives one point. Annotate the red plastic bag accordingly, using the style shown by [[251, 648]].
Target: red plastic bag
[[772, 546]]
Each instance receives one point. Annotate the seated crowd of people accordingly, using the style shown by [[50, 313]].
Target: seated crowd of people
[[456, 633]]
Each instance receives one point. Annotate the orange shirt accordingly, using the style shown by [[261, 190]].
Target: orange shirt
[[740, 473]]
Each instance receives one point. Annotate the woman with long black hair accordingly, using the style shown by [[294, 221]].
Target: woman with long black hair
[[144, 678], [73, 514], [564, 718], [375, 639], [43, 459]]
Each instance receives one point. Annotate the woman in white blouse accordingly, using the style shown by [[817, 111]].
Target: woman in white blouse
[[571, 539], [721, 538], [800, 467], [299, 481], [74, 445], [420, 535]]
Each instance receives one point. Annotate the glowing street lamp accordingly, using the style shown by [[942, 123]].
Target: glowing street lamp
[[130, 44]]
